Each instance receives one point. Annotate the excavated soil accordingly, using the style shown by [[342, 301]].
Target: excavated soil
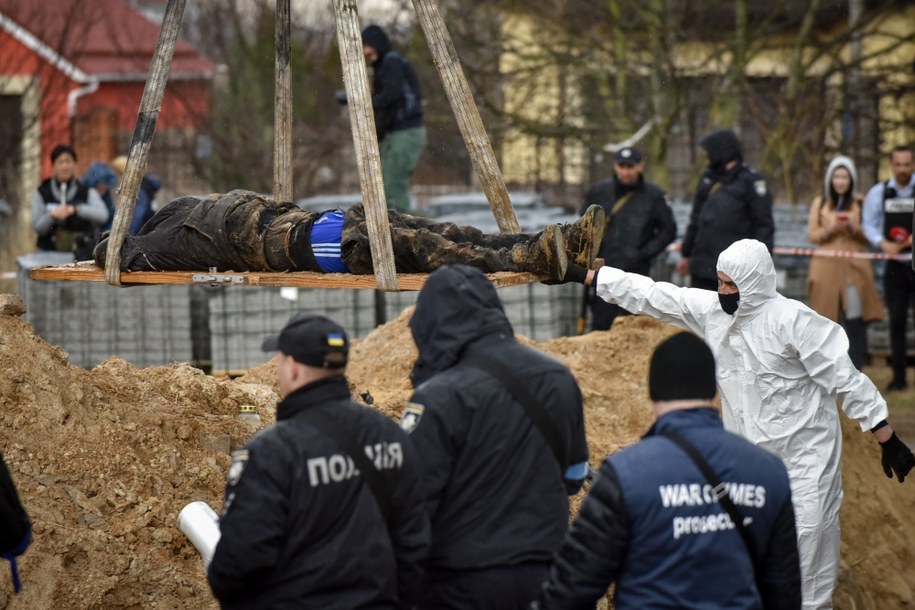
[[105, 459]]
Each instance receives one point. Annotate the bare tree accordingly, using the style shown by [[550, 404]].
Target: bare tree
[[777, 72]]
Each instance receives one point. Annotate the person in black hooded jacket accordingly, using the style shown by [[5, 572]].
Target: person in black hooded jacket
[[496, 488], [397, 102], [732, 202]]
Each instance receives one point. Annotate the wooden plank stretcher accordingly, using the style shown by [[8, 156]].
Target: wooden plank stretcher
[[89, 272]]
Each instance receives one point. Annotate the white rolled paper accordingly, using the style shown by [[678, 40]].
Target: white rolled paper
[[200, 524]]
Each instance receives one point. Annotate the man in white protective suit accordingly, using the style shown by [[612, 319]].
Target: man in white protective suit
[[781, 368]]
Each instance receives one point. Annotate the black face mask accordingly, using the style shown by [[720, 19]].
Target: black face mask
[[729, 302]]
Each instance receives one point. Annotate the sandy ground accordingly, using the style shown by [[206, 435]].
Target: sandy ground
[[105, 459]]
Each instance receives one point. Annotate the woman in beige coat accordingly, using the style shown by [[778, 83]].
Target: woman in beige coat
[[842, 289]]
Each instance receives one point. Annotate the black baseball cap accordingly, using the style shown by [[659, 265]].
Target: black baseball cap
[[312, 340], [628, 155]]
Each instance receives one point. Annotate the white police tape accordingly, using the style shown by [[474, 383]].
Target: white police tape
[[842, 254], [827, 253]]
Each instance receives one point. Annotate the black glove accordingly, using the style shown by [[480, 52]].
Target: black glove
[[897, 458], [575, 273], [341, 97]]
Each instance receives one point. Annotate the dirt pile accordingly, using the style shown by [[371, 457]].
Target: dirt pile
[[105, 459]]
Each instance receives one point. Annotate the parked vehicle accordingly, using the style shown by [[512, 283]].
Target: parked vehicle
[[343, 201], [455, 203], [472, 208]]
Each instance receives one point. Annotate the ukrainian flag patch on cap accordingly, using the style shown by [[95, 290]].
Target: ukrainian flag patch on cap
[[335, 340]]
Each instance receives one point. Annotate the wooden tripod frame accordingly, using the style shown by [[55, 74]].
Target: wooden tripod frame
[[355, 78]]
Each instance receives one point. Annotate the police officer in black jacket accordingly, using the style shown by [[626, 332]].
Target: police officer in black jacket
[[652, 523], [640, 225], [307, 521], [732, 202], [497, 491]]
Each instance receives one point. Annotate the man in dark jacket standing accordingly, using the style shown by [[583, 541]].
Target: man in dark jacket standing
[[324, 509], [499, 461], [732, 202], [654, 524], [397, 102], [640, 225]]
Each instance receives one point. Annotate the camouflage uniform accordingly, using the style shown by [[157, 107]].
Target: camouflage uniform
[[244, 231], [422, 245]]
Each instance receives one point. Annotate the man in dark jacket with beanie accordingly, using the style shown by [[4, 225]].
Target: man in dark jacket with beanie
[[324, 509], [653, 523], [732, 202], [397, 102], [498, 462]]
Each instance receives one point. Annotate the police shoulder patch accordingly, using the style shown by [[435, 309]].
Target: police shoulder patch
[[239, 462], [760, 186], [412, 414]]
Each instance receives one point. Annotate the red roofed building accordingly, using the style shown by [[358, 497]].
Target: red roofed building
[[73, 72]]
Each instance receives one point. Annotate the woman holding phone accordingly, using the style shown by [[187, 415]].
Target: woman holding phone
[[840, 288]]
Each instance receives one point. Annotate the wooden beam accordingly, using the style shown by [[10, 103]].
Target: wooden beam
[[467, 115], [368, 157], [143, 132], [89, 272], [282, 105]]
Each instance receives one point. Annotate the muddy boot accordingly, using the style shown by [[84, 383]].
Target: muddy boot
[[100, 251], [583, 236], [543, 255]]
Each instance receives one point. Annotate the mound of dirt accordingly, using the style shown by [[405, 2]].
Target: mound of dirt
[[105, 460]]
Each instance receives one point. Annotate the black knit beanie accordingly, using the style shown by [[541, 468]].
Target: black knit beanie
[[682, 367], [722, 147]]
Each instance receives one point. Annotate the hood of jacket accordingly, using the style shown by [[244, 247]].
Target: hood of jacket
[[151, 184], [100, 172], [748, 263], [849, 165], [722, 147], [373, 36], [457, 306]]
